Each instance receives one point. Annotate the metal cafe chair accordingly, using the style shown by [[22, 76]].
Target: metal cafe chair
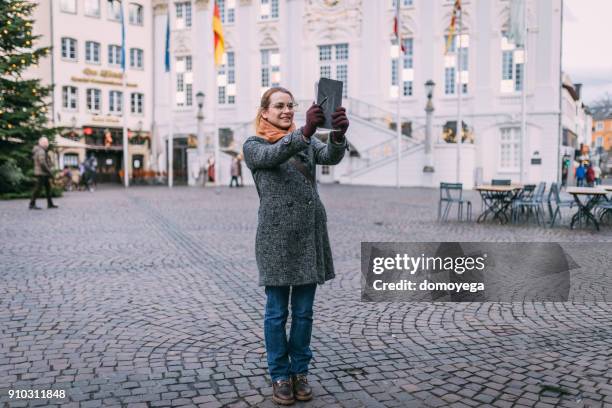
[[533, 202], [554, 196], [452, 193], [605, 209], [496, 182], [525, 195]]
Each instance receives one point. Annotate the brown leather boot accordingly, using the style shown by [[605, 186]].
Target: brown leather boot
[[282, 393], [301, 389]]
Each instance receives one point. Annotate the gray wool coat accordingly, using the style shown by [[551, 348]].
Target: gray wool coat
[[291, 245]]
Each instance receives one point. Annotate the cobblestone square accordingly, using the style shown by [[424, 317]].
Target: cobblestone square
[[149, 298]]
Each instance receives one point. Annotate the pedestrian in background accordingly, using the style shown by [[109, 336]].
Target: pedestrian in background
[[42, 172], [590, 176], [597, 171], [241, 181], [234, 172], [210, 170], [92, 168], [292, 246], [580, 175]]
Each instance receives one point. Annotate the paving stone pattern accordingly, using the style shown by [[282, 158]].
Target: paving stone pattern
[[149, 298]]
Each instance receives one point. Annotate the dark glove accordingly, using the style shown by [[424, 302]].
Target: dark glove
[[314, 118], [339, 122]]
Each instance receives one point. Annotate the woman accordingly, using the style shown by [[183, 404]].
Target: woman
[[292, 247]]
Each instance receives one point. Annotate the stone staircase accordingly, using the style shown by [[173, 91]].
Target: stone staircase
[[373, 144]]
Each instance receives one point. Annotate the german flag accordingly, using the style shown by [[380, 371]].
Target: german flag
[[219, 41], [396, 27], [453, 25]]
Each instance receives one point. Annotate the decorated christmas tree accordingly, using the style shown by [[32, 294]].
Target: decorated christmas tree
[[24, 102]]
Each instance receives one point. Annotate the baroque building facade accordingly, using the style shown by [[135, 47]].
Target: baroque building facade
[[90, 100], [294, 42]]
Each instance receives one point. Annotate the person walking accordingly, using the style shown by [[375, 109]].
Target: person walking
[[211, 170], [234, 172], [92, 167], [42, 172], [580, 175], [590, 176], [240, 180], [292, 247], [597, 171]]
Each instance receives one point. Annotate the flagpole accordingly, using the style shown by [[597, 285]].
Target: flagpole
[[125, 102], [216, 133], [170, 139], [459, 128], [523, 97], [170, 132], [400, 86], [126, 178]]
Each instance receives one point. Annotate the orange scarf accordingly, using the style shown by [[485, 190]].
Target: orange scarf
[[270, 132]]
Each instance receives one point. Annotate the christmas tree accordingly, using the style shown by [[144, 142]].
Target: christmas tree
[[24, 102]]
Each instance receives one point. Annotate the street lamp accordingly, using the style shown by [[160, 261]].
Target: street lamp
[[429, 87], [200, 117], [200, 99], [429, 108]]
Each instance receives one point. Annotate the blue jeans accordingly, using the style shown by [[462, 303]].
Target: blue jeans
[[286, 358]]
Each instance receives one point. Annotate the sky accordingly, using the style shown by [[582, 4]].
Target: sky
[[587, 45]]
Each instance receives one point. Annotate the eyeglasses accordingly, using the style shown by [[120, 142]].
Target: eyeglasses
[[281, 106]]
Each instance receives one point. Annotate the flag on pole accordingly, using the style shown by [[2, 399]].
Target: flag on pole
[[396, 28], [219, 41], [167, 49], [516, 33], [452, 26]]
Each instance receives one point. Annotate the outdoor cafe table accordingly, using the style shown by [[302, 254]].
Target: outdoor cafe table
[[594, 195], [497, 199]]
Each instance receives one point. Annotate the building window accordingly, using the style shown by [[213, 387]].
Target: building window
[[404, 3], [114, 55], [136, 14], [137, 103], [451, 76], [114, 10], [512, 66], [92, 8], [325, 170], [270, 69], [70, 97], [509, 149], [136, 58], [69, 49], [227, 10], [183, 14], [226, 80], [93, 100], [92, 52], [268, 9], [184, 81], [599, 126], [68, 6], [115, 102], [407, 66], [333, 63]]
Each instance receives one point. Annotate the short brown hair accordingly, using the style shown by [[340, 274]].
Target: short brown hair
[[265, 101]]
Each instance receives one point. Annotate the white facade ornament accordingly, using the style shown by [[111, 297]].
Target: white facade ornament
[[181, 42], [330, 19]]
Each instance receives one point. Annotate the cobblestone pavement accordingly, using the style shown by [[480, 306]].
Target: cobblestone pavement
[[149, 298]]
